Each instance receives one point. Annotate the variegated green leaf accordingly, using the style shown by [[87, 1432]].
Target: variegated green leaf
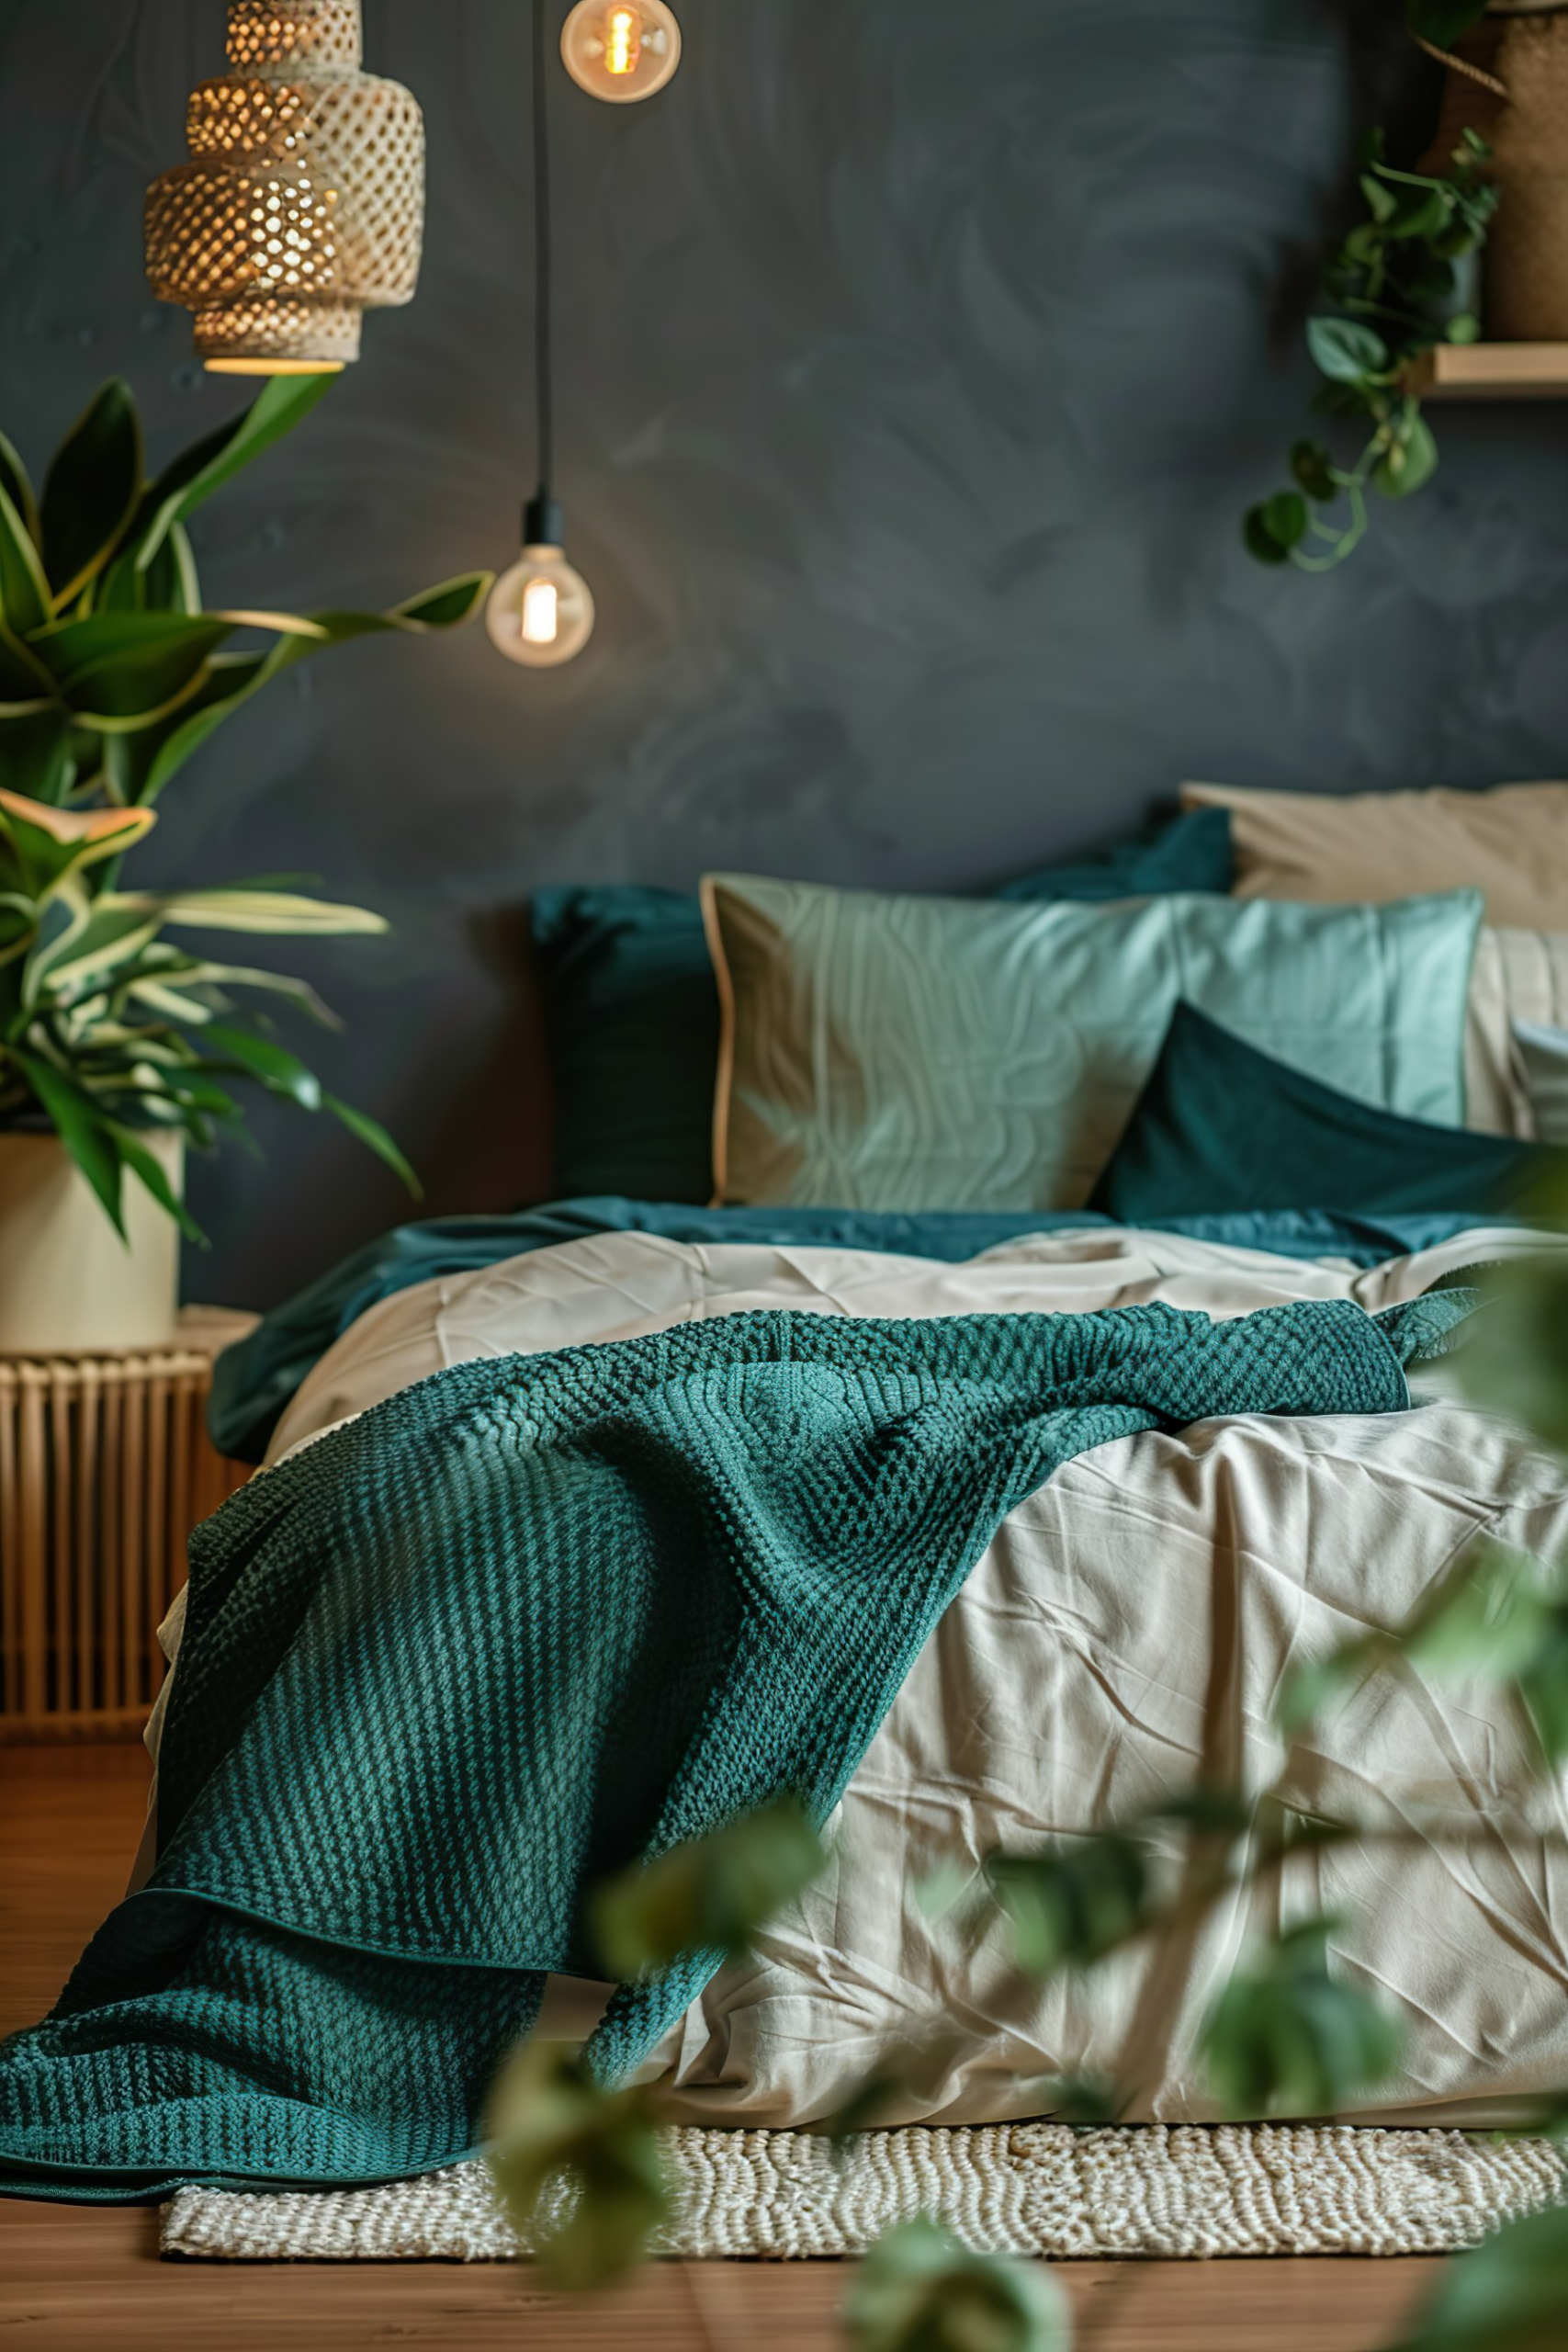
[[93, 490], [279, 914]]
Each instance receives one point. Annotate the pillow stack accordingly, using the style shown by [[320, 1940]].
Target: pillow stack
[[916, 1054], [1281, 1002], [632, 1006], [1511, 845]]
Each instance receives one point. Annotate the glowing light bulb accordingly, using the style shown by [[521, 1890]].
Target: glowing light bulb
[[623, 44], [541, 612], [621, 49]]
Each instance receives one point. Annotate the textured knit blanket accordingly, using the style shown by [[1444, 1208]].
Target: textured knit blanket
[[524, 1622]]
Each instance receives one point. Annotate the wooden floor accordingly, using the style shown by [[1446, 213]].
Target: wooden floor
[[76, 2276]]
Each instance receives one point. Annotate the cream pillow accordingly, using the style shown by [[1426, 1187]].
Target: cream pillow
[[1369, 847], [1511, 845], [1519, 978]]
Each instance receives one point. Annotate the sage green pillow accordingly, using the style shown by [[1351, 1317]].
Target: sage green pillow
[[915, 1053]]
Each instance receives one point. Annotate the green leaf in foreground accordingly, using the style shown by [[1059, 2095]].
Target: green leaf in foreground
[[919, 2291], [712, 1895], [1285, 2038], [1074, 1903], [1510, 2295], [577, 2169]]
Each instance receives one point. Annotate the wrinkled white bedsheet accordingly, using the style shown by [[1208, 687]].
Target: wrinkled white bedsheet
[[1125, 1633]]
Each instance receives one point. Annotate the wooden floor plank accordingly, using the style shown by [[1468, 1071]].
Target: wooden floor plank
[[73, 2277]]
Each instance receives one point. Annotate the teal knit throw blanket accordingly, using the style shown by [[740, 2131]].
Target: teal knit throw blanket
[[519, 1626]]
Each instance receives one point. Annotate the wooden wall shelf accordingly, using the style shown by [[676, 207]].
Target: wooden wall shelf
[[1493, 371]]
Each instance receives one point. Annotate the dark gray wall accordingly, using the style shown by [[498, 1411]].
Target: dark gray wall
[[917, 359]]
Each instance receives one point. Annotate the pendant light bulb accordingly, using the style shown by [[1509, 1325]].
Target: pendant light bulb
[[541, 612], [621, 49]]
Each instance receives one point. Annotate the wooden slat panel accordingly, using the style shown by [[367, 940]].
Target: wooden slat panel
[[104, 1468]]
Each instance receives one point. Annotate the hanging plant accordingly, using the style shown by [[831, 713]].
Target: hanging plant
[[1395, 282], [1395, 285]]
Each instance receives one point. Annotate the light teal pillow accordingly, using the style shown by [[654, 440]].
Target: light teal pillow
[[913, 1053]]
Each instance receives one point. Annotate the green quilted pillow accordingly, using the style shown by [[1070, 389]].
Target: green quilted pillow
[[912, 1054], [632, 1011]]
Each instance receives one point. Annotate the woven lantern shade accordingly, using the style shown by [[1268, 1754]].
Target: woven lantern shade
[[303, 205]]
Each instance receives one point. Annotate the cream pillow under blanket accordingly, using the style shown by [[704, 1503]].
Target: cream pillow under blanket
[[1366, 847]]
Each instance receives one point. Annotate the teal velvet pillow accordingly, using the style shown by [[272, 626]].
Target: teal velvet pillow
[[915, 1054], [1222, 1126], [632, 1009], [1190, 852]]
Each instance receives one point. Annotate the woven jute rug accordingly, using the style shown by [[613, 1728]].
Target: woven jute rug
[[1031, 2188]]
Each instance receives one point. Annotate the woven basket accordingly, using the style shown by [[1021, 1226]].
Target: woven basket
[[303, 205], [1525, 49]]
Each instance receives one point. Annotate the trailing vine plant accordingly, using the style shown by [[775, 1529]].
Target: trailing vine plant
[[1395, 282]]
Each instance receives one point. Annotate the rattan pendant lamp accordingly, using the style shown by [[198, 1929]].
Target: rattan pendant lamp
[[303, 205]]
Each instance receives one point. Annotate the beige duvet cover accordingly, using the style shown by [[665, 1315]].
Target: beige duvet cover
[[1125, 1633]]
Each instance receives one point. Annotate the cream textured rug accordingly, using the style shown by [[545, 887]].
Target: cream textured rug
[[1033, 2188]]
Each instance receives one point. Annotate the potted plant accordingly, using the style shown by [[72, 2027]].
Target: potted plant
[[121, 1040], [1496, 174], [1397, 286], [1509, 76]]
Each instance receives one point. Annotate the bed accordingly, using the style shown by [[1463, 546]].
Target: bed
[[1124, 1635], [977, 1526]]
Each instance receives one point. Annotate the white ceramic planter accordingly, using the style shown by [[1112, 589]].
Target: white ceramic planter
[[69, 1285]]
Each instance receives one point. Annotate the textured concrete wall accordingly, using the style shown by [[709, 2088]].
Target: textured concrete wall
[[917, 359]]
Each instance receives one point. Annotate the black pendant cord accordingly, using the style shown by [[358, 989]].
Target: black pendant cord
[[542, 522]]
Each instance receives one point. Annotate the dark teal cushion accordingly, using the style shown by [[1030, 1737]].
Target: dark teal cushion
[[1186, 854], [1220, 1126], [632, 1010]]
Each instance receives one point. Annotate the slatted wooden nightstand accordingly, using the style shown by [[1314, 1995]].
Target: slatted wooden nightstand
[[104, 1468]]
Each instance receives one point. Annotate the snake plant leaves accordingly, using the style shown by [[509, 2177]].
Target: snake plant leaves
[[25, 601], [143, 1165], [209, 463], [1509, 2295], [45, 844], [1071, 1905], [374, 1137], [75, 1118], [92, 489], [127, 670], [18, 489], [919, 2291], [280, 1071], [281, 913], [576, 2168], [1285, 2038], [167, 582], [709, 1895]]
